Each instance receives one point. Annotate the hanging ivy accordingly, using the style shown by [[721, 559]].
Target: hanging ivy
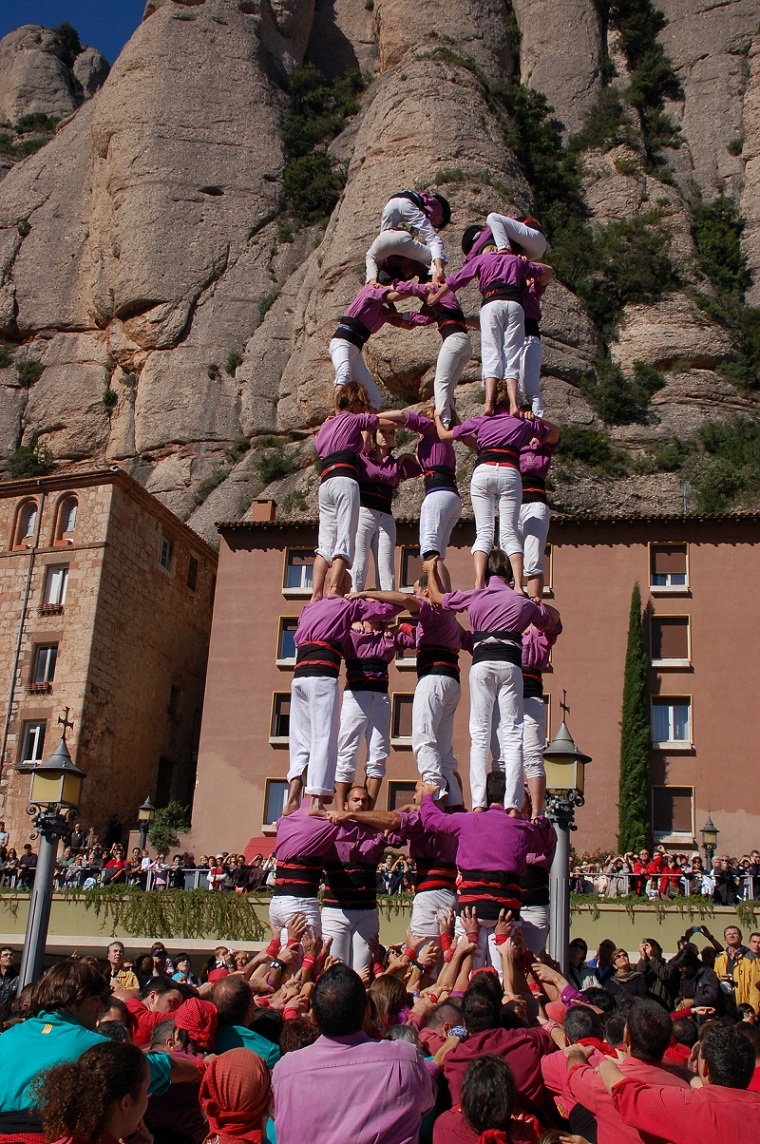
[[174, 913]]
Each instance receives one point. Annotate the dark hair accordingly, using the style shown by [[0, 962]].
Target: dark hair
[[488, 1093], [339, 1001], [580, 1022], [160, 1034], [743, 1009], [232, 997], [480, 1011], [159, 986], [596, 995], [496, 787], [351, 393], [68, 983], [118, 1004], [297, 1034], [752, 1033], [614, 1028], [470, 236], [649, 1030], [445, 211], [657, 947], [729, 1056], [115, 1031], [268, 1024], [445, 1011], [498, 564], [684, 1031], [77, 1099], [686, 959]]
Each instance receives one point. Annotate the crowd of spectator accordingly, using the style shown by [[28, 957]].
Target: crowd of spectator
[[725, 880], [290, 1042]]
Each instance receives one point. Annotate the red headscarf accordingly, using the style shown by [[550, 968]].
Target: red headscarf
[[199, 1020], [234, 1095]]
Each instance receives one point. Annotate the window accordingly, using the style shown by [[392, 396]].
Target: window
[[673, 811], [32, 742], [54, 590], [299, 565], [668, 567], [274, 799], [670, 640], [411, 568], [66, 521], [192, 574], [174, 708], [43, 667], [280, 727], [671, 722], [286, 646], [548, 582], [165, 555], [400, 794], [406, 658], [401, 719], [26, 523]]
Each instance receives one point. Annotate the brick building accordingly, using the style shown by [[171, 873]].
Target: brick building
[[694, 575], [105, 608]]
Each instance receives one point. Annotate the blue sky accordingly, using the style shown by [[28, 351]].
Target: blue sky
[[103, 24]]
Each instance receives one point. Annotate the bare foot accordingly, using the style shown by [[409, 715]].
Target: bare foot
[[319, 804], [478, 809], [488, 409], [292, 804], [514, 411], [513, 813]]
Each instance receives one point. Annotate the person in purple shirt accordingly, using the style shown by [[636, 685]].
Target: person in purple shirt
[[339, 443], [365, 714], [496, 477], [533, 351], [535, 459], [423, 214], [438, 638], [346, 1086], [513, 235], [380, 473], [302, 841], [441, 505], [320, 640], [492, 853], [502, 321], [498, 617], [368, 311]]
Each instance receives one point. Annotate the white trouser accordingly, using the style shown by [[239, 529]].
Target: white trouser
[[502, 333], [395, 242], [403, 212], [534, 529], [492, 485], [282, 908], [487, 952], [349, 365], [314, 721], [441, 509], [375, 533], [425, 906], [505, 230], [351, 931], [530, 374], [453, 356], [338, 518], [436, 698], [535, 926], [496, 683], [364, 716], [534, 738]]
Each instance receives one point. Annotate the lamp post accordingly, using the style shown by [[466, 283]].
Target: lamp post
[[565, 766], [709, 834], [54, 799], [145, 815]]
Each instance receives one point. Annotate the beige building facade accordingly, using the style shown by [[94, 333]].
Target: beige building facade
[[696, 577], [106, 601]]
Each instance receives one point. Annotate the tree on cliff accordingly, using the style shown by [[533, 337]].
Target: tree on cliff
[[633, 806]]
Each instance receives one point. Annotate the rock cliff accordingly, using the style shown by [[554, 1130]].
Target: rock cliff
[[181, 314]]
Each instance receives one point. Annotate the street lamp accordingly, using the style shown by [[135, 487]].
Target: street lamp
[[145, 815], [565, 780], [709, 834], [53, 800]]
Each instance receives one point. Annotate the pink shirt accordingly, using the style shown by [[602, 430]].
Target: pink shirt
[[344, 432], [500, 430], [494, 270], [330, 618], [536, 457], [369, 307], [587, 1087], [497, 608], [536, 648], [490, 840], [430, 449], [388, 471], [710, 1115]]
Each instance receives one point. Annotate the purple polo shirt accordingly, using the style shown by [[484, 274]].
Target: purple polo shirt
[[438, 628], [351, 1088], [535, 458], [490, 840], [423, 843], [500, 430], [344, 432], [369, 645], [494, 270], [368, 307], [536, 648], [533, 292], [430, 449], [304, 835], [389, 471], [497, 608], [330, 618]]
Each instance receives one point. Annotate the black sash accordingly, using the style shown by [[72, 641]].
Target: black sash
[[340, 464], [367, 674], [377, 495], [502, 292], [499, 454], [352, 330], [318, 658], [507, 650], [440, 477], [532, 329]]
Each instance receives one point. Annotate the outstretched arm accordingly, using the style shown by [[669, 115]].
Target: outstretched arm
[[400, 599], [435, 587]]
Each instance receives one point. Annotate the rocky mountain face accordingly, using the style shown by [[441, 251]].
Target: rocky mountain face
[[162, 307]]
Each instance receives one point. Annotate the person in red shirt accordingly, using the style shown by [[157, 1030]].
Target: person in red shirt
[[720, 1111], [159, 997], [752, 1033], [486, 1109]]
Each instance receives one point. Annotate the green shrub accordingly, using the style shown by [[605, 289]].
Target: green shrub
[[24, 227], [266, 302], [735, 146], [36, 121], [312, 185], [110, 398], [6, 357], [30, 461], [284, 232], [213, 371], [455, 176], [320, 108], [275, 465], [170, 821], [617, 399], [607, 123], [294, 502], [202, 490], [593, 449], [29, 371], [670, 456], [238, 450], [234, 359], [634, 780]]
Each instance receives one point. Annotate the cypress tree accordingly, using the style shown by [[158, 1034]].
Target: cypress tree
[[633, 807]]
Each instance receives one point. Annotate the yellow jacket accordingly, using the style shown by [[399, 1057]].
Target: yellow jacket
[[746, 975]]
